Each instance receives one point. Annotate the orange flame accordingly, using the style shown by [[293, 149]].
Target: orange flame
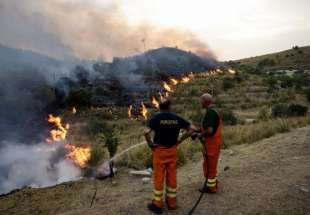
[[174, 81], [160, 96], [74, 110], [231, 71], [155, 102], [191, 75], [60, 132], [143, 111], [167, 87], [79, 155], [130, 111], [185, 79]]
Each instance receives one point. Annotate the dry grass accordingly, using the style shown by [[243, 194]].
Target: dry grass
[[241, 134]]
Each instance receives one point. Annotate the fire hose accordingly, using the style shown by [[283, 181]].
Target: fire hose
[[204, 153], [110, 163]]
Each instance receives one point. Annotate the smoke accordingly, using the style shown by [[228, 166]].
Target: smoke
[[62, 28], [31, 84], [35, 166]]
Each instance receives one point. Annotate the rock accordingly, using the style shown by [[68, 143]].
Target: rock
[[226, 168], [231, 152], [105, 170], [140, 172], [304, 189], [146, 180], [249, 121]]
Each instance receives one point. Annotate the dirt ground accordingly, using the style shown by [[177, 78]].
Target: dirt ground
[[271, 176]]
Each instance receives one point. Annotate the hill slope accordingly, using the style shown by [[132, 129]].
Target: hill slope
[[297, 56]]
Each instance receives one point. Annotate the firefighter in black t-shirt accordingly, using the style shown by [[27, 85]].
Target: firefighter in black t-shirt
[[166, 127], [212, 138]]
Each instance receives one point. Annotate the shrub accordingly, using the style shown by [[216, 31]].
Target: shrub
[[284, 110], [79, 97], [263, 114], [97, 154], [297, 110], [307, 94], [271, 83], [193, 92], [238, 77], [219, 102], [228, 83], [287, 82], [181, 157], [111, 143], [229, 117], [266, 62], [96, 127], [279, 110]]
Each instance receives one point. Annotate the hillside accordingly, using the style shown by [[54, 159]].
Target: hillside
[[295, 57], [16, 59]]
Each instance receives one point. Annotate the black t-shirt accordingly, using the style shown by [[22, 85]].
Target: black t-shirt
[[167, 127], [211, 119]]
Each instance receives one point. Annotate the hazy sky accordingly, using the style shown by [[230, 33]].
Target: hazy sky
[[87, 28], [232, 28]]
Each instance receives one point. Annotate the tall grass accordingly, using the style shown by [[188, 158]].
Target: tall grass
[[239, 134]]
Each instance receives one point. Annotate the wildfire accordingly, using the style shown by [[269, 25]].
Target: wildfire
[[185, 79], [160, 96], [130, 111], [191, 75], [143, 111], [79, 155], [155, 102], [74, 110], [167, 87], [60, 132], [231, 71], [174, 81]]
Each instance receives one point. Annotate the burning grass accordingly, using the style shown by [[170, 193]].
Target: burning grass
[[185, 97]]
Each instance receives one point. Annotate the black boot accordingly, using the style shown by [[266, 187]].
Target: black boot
[[154, 208], [204, 189]]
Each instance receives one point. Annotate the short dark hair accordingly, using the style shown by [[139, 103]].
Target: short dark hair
[[165, 104]]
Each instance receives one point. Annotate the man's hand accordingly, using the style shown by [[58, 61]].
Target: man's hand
[[147, 134], [151, 144], [189, 132]]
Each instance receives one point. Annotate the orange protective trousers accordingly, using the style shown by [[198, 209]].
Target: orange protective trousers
[[212, 147], [165, 167]]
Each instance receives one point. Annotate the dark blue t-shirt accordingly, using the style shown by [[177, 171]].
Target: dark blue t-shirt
[[167, 127]]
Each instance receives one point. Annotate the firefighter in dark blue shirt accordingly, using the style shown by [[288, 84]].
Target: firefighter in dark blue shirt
[[166, 127]]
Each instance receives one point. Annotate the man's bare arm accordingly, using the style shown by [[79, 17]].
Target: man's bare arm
[[148, 138], [189, 132]]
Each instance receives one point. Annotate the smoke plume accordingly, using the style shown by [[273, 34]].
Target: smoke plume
[[62, 28], [75, 31], [35, 166]]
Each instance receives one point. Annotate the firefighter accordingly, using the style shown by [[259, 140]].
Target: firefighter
[[211, 134], [166, 127]]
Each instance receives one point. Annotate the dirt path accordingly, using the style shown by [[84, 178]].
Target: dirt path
[[271, 176]]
